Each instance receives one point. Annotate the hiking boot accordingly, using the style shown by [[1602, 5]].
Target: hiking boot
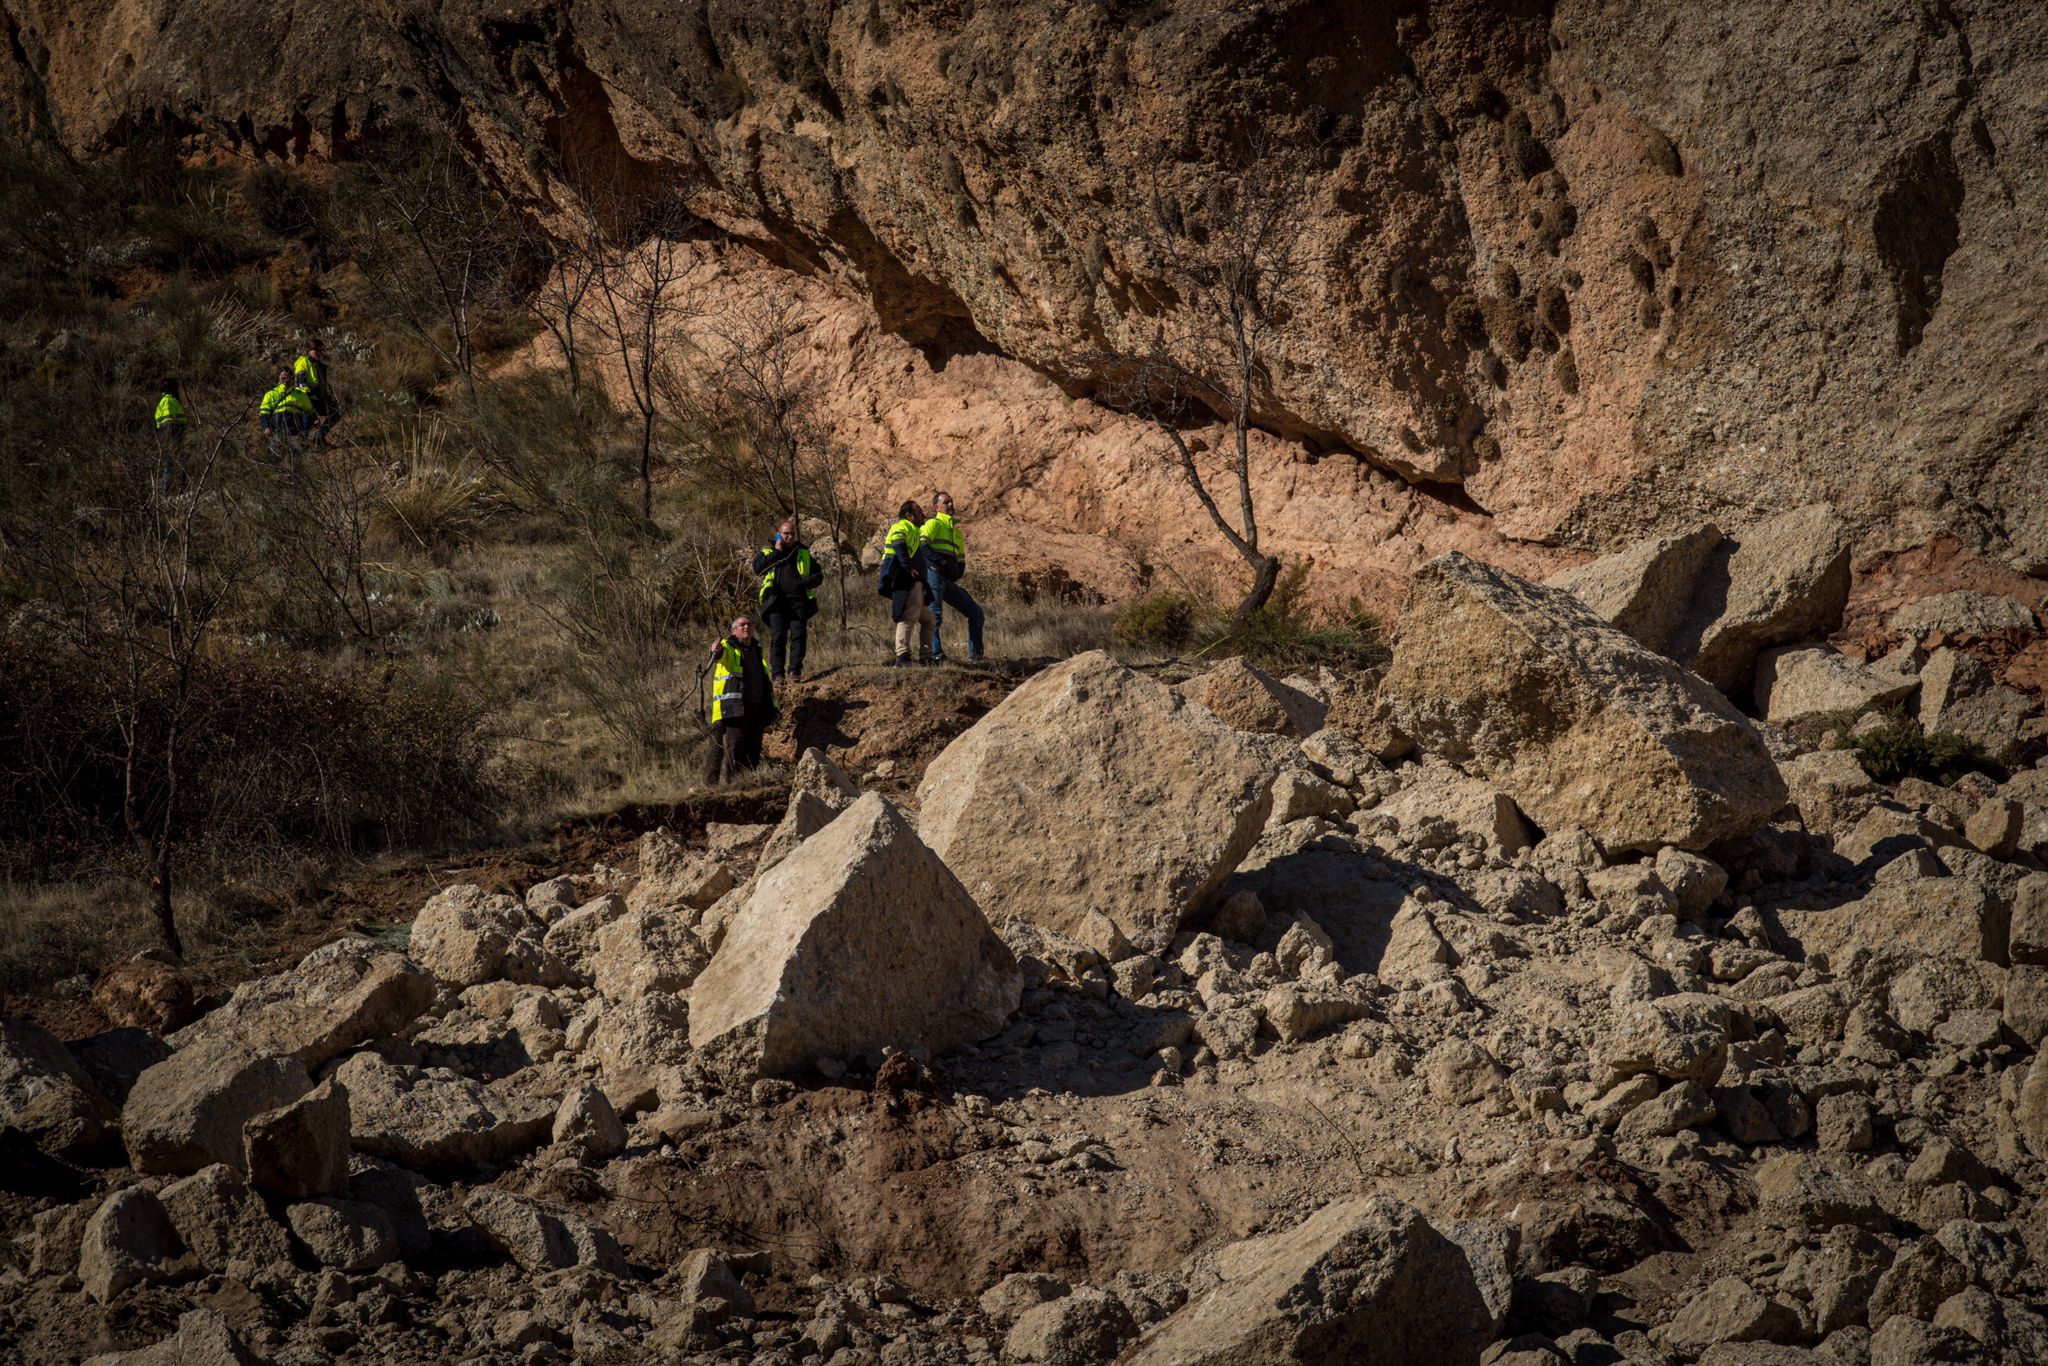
[[779, 680], [937, 658], [900, 662]]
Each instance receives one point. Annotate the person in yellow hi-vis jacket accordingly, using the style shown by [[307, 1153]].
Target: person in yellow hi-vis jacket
[[742, 704], [945, 563]]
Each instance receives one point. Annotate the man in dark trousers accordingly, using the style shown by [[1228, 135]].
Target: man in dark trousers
[[789, 577], [742, 704]]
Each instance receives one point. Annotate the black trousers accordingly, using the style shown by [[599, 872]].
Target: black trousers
[[732, 749], [788, 632]]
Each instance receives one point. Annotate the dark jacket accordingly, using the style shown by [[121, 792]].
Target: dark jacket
[[792, 592]]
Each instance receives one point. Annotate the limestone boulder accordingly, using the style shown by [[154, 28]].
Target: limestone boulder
[[1091, 788], [1360, 1280], [223, 1223], [1783, 580], [675, 878], [1800, 682], [128, 1241], [428, 1118], [587, 1122], [1574, 720], [1679, 1038], [299, 1151], [572, 939], [817, 774], [1434, 791], [644, 953], [204, 1338], [541, 1237], [465, 935], [808, 813], [340, 995], [1954, 916], [187, 1112], [1073, 1330], [1959, 697], [1249, 699], [858, 940], [2029, 920], [1646, 589], [347, 1235], [1830, 789], [45, 1093], [1963, 613]]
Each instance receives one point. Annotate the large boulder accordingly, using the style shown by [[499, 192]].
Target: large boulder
[[674, 878], [427, 1118], [1955, 916], [1251, 700], [340, 995], [223, 1223], [1799, 682], [299, 1151], [1571, 717], [1831, 790], [1646, 589], [1091, 788], [1963, 613], [128, 1241], [47, 1095], [1361, 1280], [859, 939], [1959, 697], [465, 936], [542, 1237], [187, 1112], [644, 953], [1782, 580]]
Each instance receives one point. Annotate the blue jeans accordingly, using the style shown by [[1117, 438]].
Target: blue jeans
[[943, 595]]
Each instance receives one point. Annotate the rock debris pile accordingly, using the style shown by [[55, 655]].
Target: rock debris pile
[[1529, 1004]]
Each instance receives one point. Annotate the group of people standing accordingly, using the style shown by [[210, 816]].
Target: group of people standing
[[923, 562], [301, 405]]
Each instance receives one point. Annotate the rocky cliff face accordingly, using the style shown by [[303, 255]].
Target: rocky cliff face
[[1578, 270]]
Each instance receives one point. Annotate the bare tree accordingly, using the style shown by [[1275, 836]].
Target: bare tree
[[436, 249], [641, 277], [150, 580], [759, 419], [570, 263], [1225, 252]]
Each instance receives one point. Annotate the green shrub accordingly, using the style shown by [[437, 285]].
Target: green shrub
[[1897, 750], [1164, 621], [1286, 635]]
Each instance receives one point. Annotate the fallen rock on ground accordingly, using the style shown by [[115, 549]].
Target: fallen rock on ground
[[541, 1237], [859, 940], [1361, 1280], [47, 1095], [466, 935], [808, 813], [1783, 580], [128, 1240], [1093, 788], [1798, 683], [1569, 716], [340, 995], [300, 1150], [1251, 700], [1963, 613], [187, 1112], [675, 878], [223, 1222], [1647, 589], [1959, 697], [427, 1117]]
